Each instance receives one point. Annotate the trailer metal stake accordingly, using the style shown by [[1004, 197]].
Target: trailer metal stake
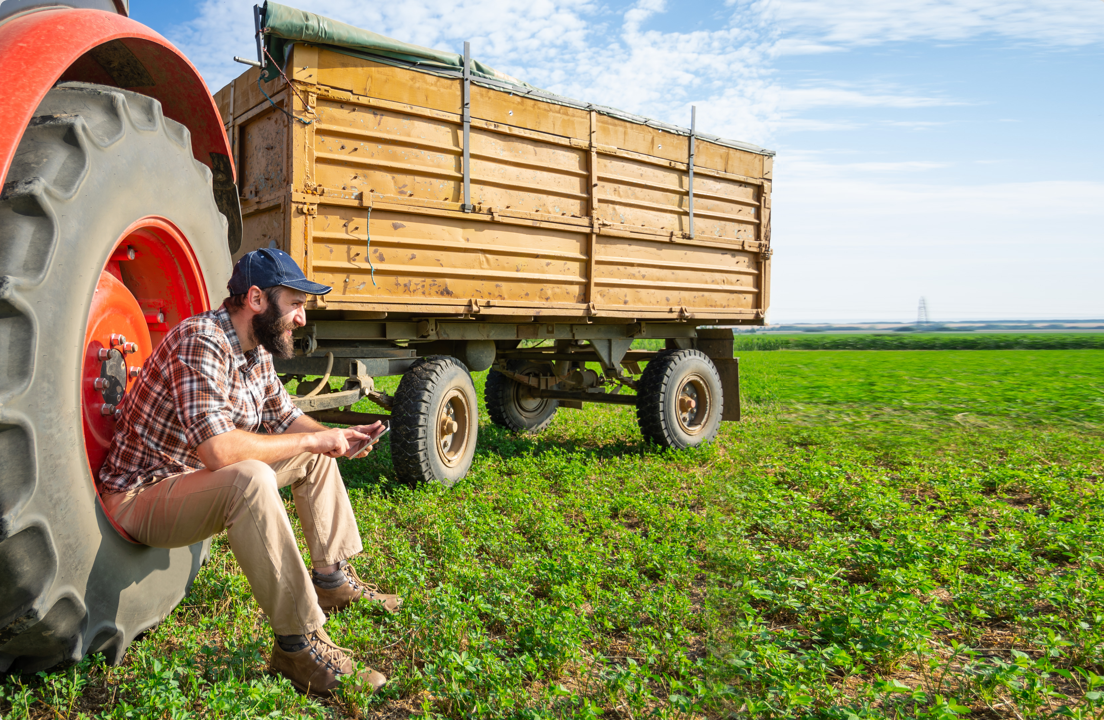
[[258, 20], [690, 164], [467, 206]]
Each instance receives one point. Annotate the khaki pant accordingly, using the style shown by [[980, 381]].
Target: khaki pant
[[244, 499]]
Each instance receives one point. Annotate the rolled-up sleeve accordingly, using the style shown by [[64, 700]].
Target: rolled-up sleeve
[[201, 388]]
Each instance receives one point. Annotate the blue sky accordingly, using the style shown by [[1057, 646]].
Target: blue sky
[[950, 149]]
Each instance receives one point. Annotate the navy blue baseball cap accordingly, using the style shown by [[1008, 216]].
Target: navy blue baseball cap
[[269, 267]]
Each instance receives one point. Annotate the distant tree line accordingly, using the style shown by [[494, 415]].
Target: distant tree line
[[1040, 341]]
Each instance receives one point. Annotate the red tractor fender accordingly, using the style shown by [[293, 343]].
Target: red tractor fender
[[42, 48]]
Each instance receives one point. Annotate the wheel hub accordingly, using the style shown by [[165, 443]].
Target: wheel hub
[[113, 378], [693, 404], [452, 428], [116, 314], [526, 403]]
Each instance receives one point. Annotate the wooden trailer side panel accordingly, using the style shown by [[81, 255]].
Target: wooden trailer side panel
[[446, 260], [575, 213]]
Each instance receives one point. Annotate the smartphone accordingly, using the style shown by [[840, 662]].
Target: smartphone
[[360, 448], [386, 429]]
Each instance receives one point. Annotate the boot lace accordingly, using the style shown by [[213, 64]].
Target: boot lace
[[366, 589], [324, 650]]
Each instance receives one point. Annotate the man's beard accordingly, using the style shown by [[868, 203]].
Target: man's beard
[[269, 332]]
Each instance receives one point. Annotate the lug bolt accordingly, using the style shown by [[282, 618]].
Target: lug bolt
[[107, 409], [117, 339], [104, 354], [118, 413], [130, 348], [132, 371], [99, 383]]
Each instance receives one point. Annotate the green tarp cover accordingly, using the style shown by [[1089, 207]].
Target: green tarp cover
[[284, 25]]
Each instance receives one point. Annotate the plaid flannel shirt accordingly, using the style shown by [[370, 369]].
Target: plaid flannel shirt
[[197, 384]]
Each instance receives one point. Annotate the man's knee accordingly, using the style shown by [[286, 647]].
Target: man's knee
[[324, 463], [320, 466], [255, 478]]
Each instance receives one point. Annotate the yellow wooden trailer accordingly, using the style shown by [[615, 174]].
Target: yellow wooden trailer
[[461, 214]]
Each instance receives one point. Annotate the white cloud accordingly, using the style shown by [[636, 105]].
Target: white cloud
[[809, 23], [913, 124], [906, 166], [796, 99], [802, 46], [800, 124]]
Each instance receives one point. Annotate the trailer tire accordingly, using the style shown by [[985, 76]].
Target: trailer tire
[[679, 399], [509, 405], [436, 391], [98, 172]]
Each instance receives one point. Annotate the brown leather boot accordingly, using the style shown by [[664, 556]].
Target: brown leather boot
[[317, 668], [353, 590]]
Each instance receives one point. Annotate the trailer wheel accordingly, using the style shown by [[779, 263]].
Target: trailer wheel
[[512, 406], [679, 399], [434, 422], [108, 227]]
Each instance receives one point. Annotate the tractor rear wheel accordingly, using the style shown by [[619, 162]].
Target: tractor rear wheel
[[109, 236]]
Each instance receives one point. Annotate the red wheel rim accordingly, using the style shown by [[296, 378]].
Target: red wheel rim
[[150, 283]]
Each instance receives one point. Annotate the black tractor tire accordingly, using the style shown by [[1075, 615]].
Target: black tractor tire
[[93, 161], [673, 376], [435, 391], [510, 405]]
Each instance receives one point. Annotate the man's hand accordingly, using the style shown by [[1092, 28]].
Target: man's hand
[[304, 435], [371, 433], [335, 442]]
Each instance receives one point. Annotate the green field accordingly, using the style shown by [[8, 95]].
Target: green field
[[886, 534]]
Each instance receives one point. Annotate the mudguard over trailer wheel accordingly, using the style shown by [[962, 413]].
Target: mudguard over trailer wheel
[[108, 227], [512, 406], [679, 399], [434, 422]]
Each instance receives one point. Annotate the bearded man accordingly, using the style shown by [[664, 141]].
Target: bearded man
[[207, 437]]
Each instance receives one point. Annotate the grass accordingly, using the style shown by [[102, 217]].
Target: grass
[[893, 534]]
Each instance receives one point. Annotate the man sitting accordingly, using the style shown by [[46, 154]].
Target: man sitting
[[207, 437]]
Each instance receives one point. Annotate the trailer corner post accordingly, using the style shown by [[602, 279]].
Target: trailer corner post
[[592, 193], [467, 206]]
